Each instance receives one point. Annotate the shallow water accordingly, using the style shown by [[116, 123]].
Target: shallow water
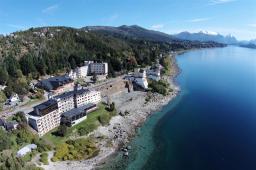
[[210, 125]]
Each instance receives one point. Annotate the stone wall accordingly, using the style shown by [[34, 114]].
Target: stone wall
[[115, 87]]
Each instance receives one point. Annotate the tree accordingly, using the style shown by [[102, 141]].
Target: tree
[[21, 86], [12, 65], [8, 91], [5, 142], [2, 97], [20, 117], [3, 75], [41, 66], [62, 130], [27, 64], [61, 151], [94, 77], [112, 107], [24, 135], [104, 118], [72, 62], [166, 63]]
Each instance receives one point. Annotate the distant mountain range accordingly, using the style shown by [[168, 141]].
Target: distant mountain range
[[205, 36], [139, 33], [133, 31], [250, 45]]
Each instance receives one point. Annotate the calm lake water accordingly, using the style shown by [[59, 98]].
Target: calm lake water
[[211, 125]]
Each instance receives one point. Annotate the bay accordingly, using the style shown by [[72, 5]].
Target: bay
[[210, 125]]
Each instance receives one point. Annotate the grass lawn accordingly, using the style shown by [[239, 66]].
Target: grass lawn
[[92, 118], [54, 140]]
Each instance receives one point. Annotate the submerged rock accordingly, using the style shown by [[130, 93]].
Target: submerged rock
[[129, 147], [126, 154]]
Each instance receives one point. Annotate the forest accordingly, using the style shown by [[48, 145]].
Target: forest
[[27, 55]]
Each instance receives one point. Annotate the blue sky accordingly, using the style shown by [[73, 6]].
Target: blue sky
[[237, 17]]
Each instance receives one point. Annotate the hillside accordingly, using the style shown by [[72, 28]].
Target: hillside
[[133, 32], [49, 50]]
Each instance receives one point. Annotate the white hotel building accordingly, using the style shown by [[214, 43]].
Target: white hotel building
[[98, 68], [47, 115], [89, 68]]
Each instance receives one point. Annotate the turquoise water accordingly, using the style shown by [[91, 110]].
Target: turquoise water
[[210, 125]]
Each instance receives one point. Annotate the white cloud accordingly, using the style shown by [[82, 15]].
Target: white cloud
[[113, 17], [50, 9], [157, 26], [199, 19], [15, 26], [216, 2], [110, 19], [252, 25]]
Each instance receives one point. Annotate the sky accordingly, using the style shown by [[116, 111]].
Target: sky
[[236, 17]]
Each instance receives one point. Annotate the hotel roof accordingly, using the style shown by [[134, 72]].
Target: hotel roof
[[46, 104], [78, 111], [53, 83], [71, 93]]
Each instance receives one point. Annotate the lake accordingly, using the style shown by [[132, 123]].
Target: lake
[[211, 125]]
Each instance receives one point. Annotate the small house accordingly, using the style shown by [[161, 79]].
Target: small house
[[2, 123], [9, 126], [2, 87], [13, 99], [26, 149]]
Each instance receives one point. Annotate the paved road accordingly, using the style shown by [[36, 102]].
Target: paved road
[[25, 109], [29, 108]]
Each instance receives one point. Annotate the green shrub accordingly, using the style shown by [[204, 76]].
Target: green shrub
[[5, 142], [161, 86], [27, 157], [104, 119], [75, 150], [54, 159], [44, 158], [87, 129], [42, 146], [61, 151], [113, 113]]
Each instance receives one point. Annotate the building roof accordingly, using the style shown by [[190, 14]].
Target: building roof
[[78, 111], [10, 125], [26, 149], [64, 95], [53, 83], [71, 93], [46, 104], [2, 122]]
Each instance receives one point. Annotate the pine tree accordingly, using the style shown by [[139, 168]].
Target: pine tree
[[3, 76]]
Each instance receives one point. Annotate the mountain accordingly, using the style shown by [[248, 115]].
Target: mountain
[[205, 36], [253, 41], [249, 45], [133, 32]]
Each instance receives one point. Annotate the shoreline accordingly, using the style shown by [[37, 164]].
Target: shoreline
[[122, 129]]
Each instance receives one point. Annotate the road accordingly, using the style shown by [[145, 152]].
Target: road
[[28, 108]]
